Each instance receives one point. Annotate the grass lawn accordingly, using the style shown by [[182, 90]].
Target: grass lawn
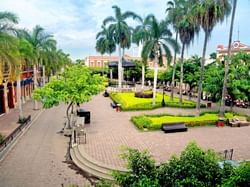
[[154, 122], [129, 102]]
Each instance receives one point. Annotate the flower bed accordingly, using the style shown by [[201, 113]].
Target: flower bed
[[129, 102], [154, 122]]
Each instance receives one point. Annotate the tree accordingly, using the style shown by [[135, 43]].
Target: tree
[[140, 35], [8, 43], [227, 62], [76, 85], [209, 13], [173, 16], [213, 80], [39, 40], [121, 32], [26, 56], [158, 44], [187, 28]]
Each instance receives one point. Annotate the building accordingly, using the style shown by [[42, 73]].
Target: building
[[102, 61], [8, 88], [236, 46]]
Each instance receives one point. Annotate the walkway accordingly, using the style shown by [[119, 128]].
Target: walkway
[[110, 130], [8, 122], [38, 159]]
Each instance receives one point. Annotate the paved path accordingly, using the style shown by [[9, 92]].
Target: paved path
[[38, 159], [109, 130], [8, 122]]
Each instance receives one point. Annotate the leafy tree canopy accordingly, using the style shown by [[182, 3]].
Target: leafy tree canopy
[[75, 85]]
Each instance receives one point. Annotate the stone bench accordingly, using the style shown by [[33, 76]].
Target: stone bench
[[174, 127]]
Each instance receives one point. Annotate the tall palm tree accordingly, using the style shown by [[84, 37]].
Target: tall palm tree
[[120, 30], [38, 38], [26, 57], [209, 13], [140, 35], [158, 44], [173, 15], [227, 62]]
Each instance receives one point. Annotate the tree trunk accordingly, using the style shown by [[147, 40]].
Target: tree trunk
[[181, 77], [227, 63], [155, 80], [44, 75], [174, 69], [202, 72], [143, 76], [35, 85], [19, 99], [119, 68], [68, 126]]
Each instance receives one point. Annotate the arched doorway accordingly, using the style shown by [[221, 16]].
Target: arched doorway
[[2, 106], [10, 95]]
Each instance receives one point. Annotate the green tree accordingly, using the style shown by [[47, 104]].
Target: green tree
[[140, 35], [121, 33], [173, 15], [213, 80], [39, 40], [8, 43], [158, 43], [76, 85], [209, 13], [187, 27], [194, 167], [227, 62], [143, 170]]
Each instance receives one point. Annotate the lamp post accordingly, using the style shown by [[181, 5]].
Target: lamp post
[[163, 104]]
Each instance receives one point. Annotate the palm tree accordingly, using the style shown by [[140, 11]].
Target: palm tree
[[26, 56], [140, 35], [209, 13], [158, 44], [187, 27], [227, 62], [173, 16], [39, 40], [120, 30], [8, 44]]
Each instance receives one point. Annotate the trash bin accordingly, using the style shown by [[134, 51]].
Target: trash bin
[[84, 113], [220, 123], [209, 105]]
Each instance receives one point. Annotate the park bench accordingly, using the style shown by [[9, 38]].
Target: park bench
[[173, 127], [235, 122]]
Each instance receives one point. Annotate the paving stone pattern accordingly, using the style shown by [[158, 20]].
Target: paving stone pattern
[[110, 130], [38, 159]]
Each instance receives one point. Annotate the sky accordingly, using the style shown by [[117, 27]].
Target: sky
[[75, 23]]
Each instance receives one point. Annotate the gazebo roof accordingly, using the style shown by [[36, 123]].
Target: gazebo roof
[[125, 64]]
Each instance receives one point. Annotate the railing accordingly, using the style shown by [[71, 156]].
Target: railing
[[14, 134]]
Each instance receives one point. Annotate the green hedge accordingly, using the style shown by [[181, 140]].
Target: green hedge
[[154, 122], [131, 103]]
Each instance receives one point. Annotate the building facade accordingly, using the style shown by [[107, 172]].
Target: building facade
[[102, 61], [8, 88], [236, 46]]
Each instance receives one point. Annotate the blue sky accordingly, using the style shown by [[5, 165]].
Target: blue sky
[[75, 23]]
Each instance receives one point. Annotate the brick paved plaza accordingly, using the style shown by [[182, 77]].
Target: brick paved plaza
[[38, 159], [109, 130]]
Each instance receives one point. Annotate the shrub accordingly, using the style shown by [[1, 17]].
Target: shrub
[[154, 122], [142, 169], [141, 122], [240, 177], [194, 167]]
